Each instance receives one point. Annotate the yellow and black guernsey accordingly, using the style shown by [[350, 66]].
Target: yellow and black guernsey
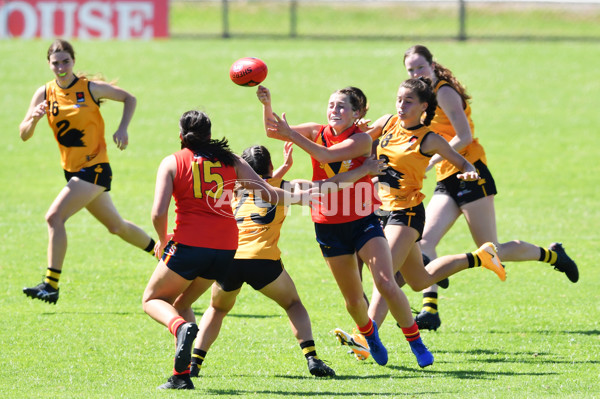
[[74, 116], [400, 187], [441, 125], [259, 225]]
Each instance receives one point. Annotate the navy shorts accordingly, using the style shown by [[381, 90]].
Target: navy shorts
[[257, 272], [191, 262], [347, 238], [411, 217], [464, 192], [99, 174]]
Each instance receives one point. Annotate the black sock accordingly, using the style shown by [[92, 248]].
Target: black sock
[[308, 348], [547, 256], [198, 356], [52, 277], [150, 247], [472, 261], [430, 302]]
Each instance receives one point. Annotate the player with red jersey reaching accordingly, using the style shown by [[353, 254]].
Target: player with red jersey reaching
[[201, 178], [345, 223]]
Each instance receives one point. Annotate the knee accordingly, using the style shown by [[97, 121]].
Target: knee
[[428, 245], [417, 286], [148, 299], [355, 303], [425, 243], [54, 219], [115, 228], [145, 300], [293, 303], [386, 287], [222, 308]]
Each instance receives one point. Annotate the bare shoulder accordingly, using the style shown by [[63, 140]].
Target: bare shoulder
[[432, 143], [39, 95], [380, 123], [100, 89], [168, 164], [447, 95], [240, 166], [363, 138], [308, 129]]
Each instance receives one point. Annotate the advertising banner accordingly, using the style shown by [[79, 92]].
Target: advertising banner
[[84, 19]]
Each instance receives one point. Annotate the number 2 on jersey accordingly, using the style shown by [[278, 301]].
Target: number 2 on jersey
[[206, 178]]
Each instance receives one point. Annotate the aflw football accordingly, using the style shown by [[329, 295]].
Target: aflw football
[[248, 71]]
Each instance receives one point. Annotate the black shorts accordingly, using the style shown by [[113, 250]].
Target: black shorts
[[257, 272], [347, 238], [99, 174], [464, 192], [411, 217], [191, 262]]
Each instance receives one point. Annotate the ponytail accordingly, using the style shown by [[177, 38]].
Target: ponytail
[[196, 136]]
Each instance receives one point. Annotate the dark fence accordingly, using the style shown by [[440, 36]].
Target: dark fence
[[393, 19]]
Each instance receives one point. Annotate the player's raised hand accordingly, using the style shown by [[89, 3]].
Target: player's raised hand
[[264, 95], [279, 125], [363, 124]]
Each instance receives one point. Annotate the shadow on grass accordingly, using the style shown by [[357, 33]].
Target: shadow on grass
[[513, 357], [199, 311], [308, 394], [534, 361], [411, 372], [122, 313], [245, 316], [340, 377], [462, 374], [492, 352], [546, 332]]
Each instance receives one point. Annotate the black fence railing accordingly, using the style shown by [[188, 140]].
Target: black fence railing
[[393, 19]]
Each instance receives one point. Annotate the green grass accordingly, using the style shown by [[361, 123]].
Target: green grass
[[536, 335], [386, 20]]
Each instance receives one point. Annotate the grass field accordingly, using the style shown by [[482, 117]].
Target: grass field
[[536, 335], [387, 19]]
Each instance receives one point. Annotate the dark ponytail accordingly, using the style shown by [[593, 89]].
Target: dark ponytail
[[196, 136]]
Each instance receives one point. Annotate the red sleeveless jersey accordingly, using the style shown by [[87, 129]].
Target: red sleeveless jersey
[[203, 193], [351, 203]]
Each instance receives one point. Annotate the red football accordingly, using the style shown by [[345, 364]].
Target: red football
[[248, 71]]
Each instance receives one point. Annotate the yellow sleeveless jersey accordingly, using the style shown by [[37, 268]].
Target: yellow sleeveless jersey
[[259, 225], [400, 187], [442, 126], [74, 117]]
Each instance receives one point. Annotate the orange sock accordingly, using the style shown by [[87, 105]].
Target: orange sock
[[411, 333], [367, 329], [175, 323]]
